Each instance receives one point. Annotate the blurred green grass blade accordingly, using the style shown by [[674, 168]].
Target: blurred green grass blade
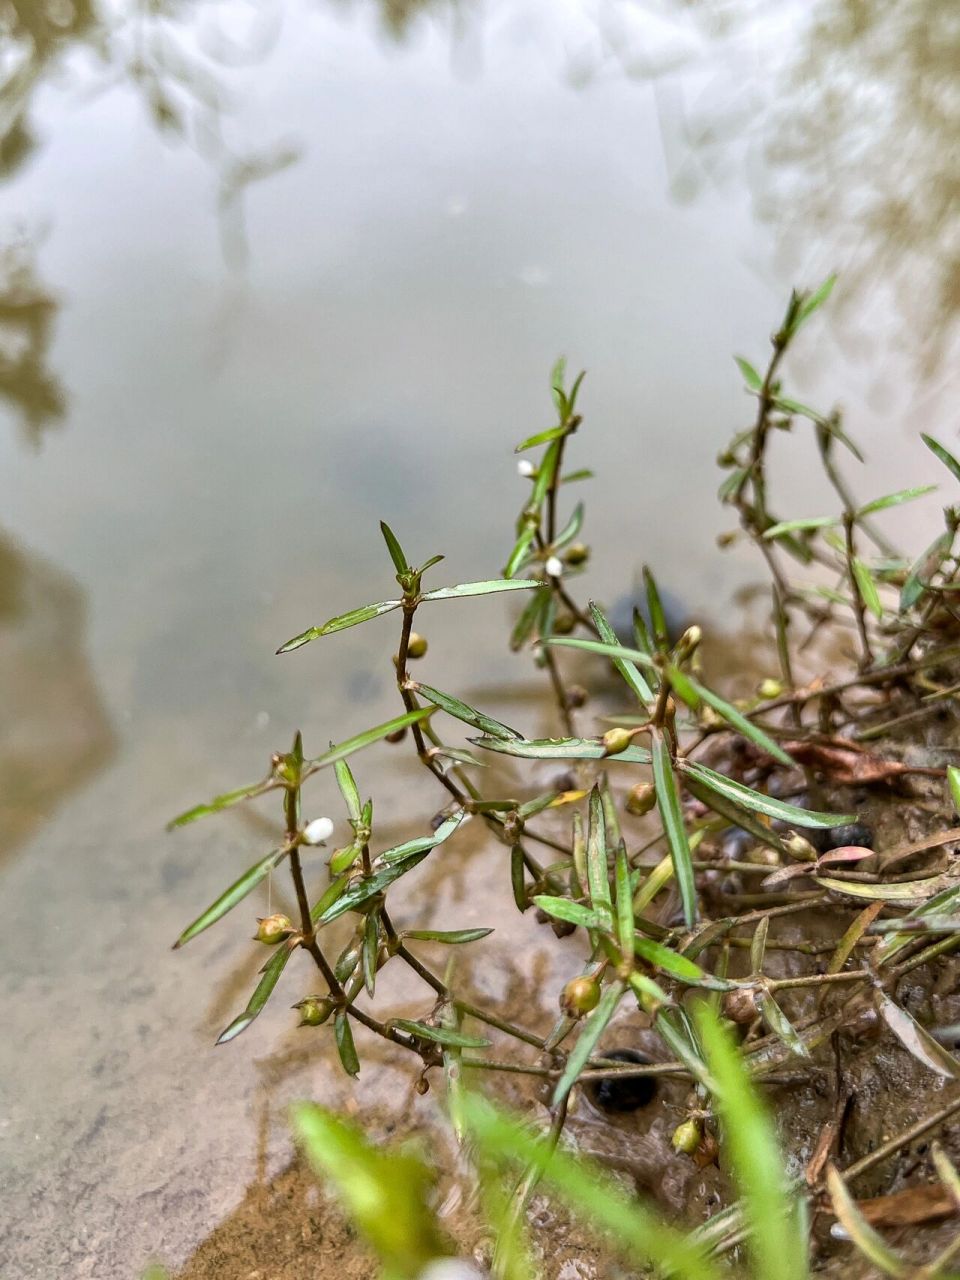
[[440, 1035], [776, 1246], [867, 587], [598, 872], [561, 749], [395, 549], [750, 375], [230, 897], [593, 1028], [345, 1046], [916, 1040], [363, 890], [953, 781], [945, 456], [640, 1235], [613, 650], [221, 802], [626, 668], [369, 737], [340, 623], [946, 1171], [488, 588], [870, 1243], [693, 692], [464, 713], [572, 912], [814, 301], [541, 437], [348, 789], [759, 803], [423, 844], [386, 1193], [261, 994], [450, 937], [668, 801], [894, 499]]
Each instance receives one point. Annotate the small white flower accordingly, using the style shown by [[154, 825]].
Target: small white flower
[[317, 831], [525, 468], [554, 566]]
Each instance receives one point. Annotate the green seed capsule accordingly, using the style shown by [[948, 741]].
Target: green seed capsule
[[577, 553], [616, 740], [579, 996], [314, 1010], [770, 688], [686, 1137], [417, 645], [641, 799], [271, 929]]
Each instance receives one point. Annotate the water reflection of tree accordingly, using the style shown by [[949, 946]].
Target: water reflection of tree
[[845, 116], [27, 312]]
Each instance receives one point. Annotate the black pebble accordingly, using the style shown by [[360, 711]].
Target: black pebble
[[624, 1095], [857, 833]]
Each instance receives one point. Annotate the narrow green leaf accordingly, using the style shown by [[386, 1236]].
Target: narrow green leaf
[[230, 897], [735, 814], [899, 891], [423, 844], [593, 1028], [363, 890], [624, 901], [625, 668], [344, 858], [440, 1035], [815, 300], [672, 962], [348, 789], [572, 477], [261, 994], [750, 375], [794, 526], [870, 1243], [450, 937], [518, 881], [598, 872], [668, 802], [777, 1022], [658, 619], [219, 803], [561, 749], [674, 1027], [572, 912], [395, 549], [924, 569], [759, 803], [466, 714], [482, 588], [345, 1046], [340, 623], [777, 1247], [946, 1171], [329, 897], [758, 946], [945, 456], [618, 651], [867, 587], [367, 738], [894, 499], [520, 549], [541, 437], [916, 1040], [371, 948], [942, 903], [529, 620], [570, 529], [685, 684]]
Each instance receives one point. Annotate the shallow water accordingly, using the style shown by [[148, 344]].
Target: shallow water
[[214, 387]]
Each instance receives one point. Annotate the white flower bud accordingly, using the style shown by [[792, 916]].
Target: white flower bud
[[554, 566], [525, 468], [317, 831]]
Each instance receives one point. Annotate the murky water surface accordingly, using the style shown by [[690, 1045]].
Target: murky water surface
[[271, 272]]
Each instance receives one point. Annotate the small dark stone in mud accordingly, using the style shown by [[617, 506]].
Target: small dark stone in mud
[[624, 1095], [857, 833]]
